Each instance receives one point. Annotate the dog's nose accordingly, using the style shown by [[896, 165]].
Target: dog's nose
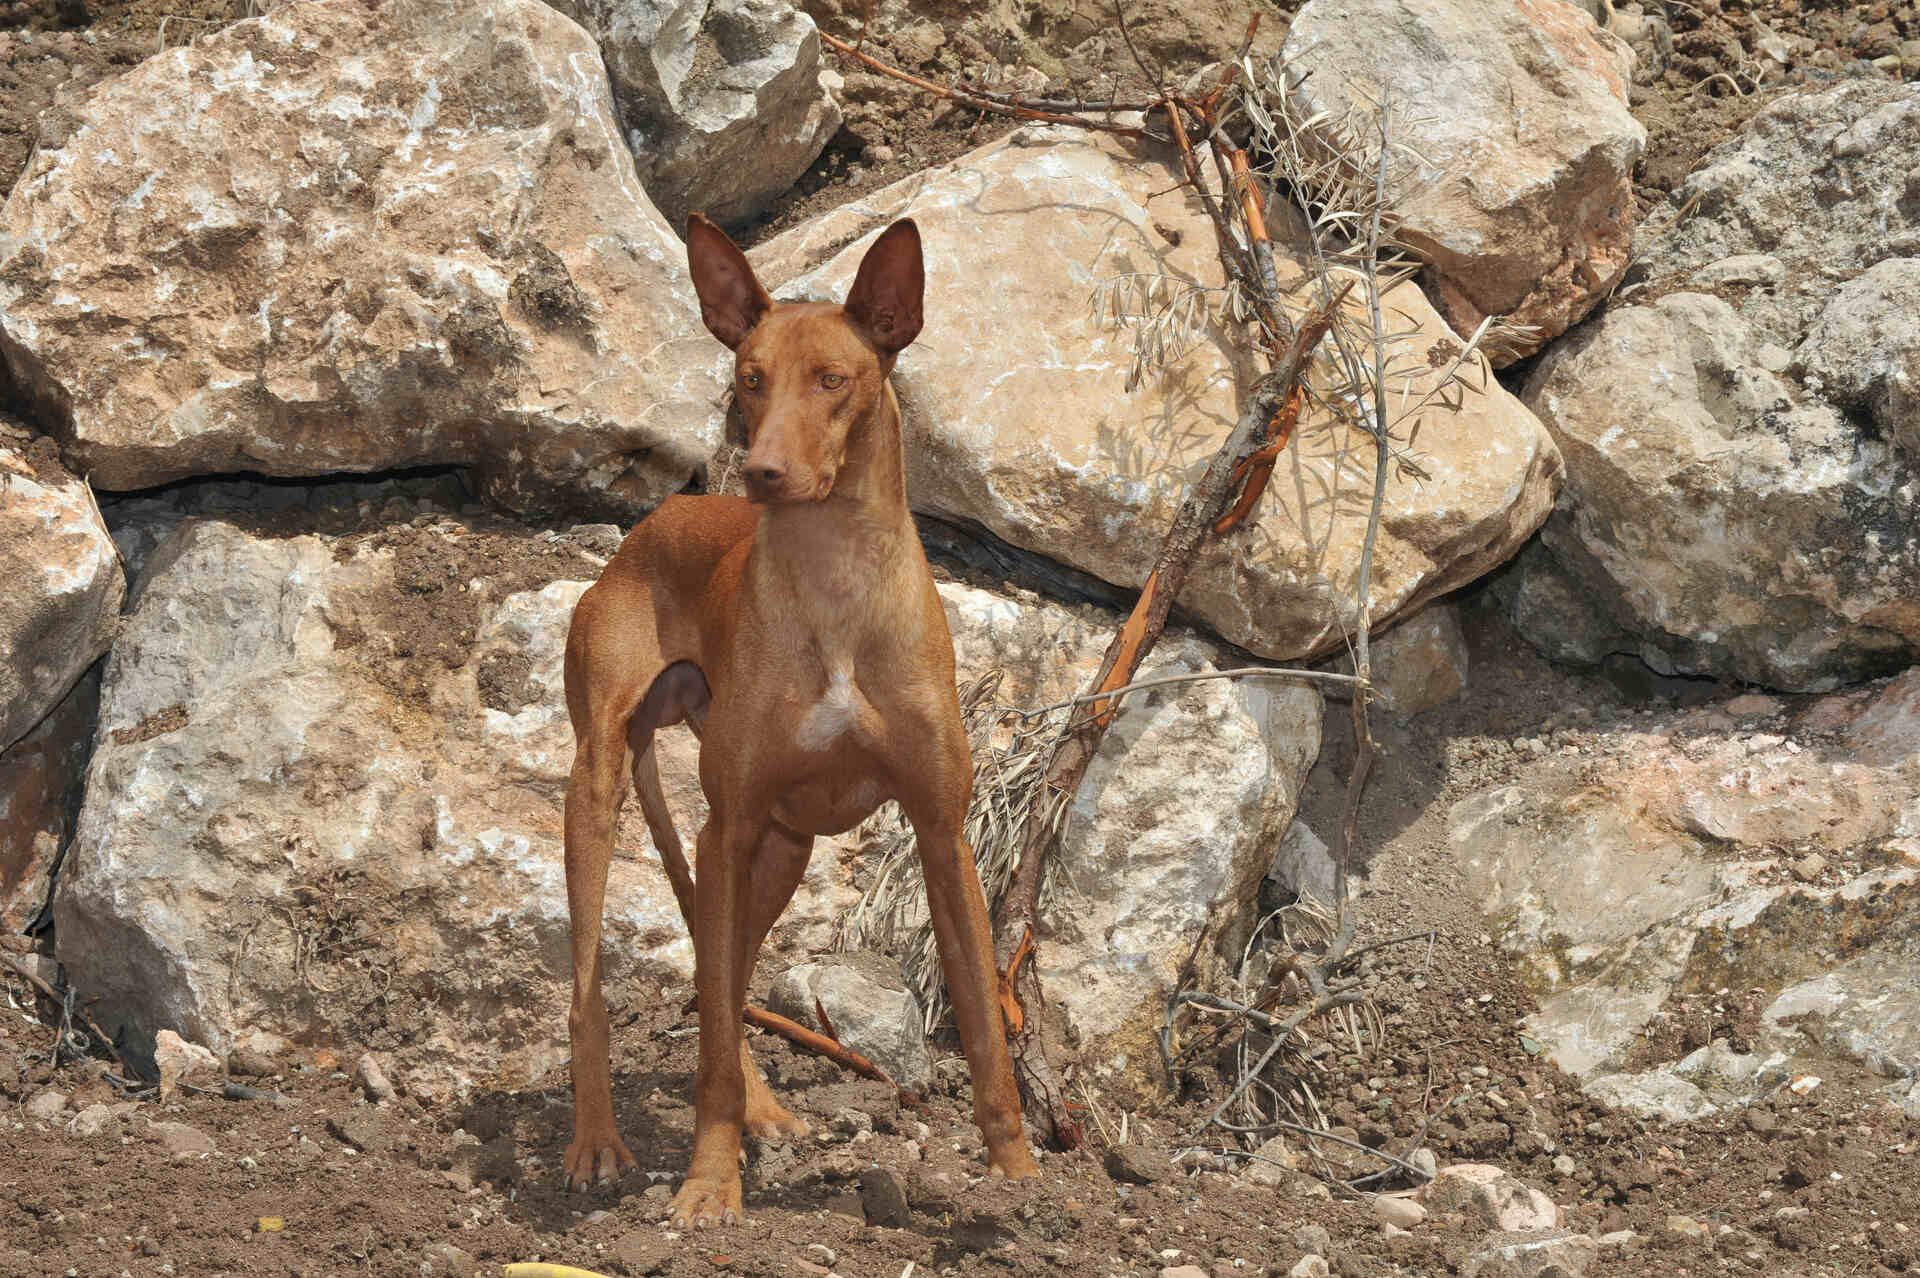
[[763, 476]]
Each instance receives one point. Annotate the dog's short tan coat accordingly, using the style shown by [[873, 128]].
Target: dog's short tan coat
[[800, 634]]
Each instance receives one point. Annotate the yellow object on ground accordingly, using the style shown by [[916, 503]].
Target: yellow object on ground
[[536, 1270]]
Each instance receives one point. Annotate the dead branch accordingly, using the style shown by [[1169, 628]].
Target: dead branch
[[1363, 749], [1315, 1133], [1282, 1032], [1254, 473], [832, 1049]]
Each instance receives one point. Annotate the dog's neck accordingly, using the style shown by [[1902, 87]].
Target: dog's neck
[[852, 541]]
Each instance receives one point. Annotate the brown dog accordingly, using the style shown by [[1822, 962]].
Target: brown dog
[[800, 636]]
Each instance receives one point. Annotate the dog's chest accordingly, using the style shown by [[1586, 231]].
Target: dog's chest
[[834, 785], [834, 716]]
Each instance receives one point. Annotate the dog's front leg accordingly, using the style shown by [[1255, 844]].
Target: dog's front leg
[[935, 799], [965, 939], [711, 1195]]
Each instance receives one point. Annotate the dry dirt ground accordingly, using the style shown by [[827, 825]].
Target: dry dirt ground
[[194, 1185]]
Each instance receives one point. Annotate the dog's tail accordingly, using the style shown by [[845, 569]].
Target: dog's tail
[[653, 802]]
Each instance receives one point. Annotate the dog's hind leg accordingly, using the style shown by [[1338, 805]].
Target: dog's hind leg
[[604, 679]]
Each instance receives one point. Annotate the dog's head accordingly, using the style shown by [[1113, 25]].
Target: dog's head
[[807, 374]]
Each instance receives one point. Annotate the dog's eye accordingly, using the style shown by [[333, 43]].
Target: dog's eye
[[832, 381], [750, 380]]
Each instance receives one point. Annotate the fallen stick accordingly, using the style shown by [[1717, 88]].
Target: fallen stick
[[837, 1052]]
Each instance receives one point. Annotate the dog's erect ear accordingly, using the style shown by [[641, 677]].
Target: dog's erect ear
[[731, 299], [885, 300]]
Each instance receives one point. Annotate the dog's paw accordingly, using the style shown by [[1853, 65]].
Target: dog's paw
[[774, 1123], [1015, 1162], [705, 1202], [595, 1156]]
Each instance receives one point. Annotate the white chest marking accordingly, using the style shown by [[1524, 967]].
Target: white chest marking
[[829, 718]]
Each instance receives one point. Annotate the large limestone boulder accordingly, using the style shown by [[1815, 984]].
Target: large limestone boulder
[[1863, 352], [356, 237], [1813, 192], [1661, 865], [63, 585], [1519, 147], [1743, 477], [722, 101], [1173, 827], [1719, 518], [1018, 418]]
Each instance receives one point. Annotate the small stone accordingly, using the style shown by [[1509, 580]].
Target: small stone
[[1678, 1228], [1401, 1213], [1309, 1266], [1564, 1165], [178, 1059], [1810, 867], [247, 1063], [181, 1140], [444, 1260], [1313, 1239], [1424, 1163], [364, 1129], [1272, 1164], [1184, 1271], [1533, 1254], [1762, 1122], [1491, 1197], [1743, 268], [373, 1079], [1794, 1229], [90, 1121], [882, 1200], [47, 1105], [850, 1122], [1136, 1165], [821, 1254]]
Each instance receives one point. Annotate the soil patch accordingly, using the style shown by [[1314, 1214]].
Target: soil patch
[[53, 51]]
